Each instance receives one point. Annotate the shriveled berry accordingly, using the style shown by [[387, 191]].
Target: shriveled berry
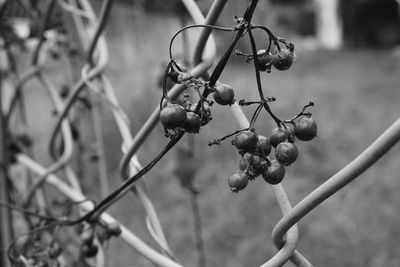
[[113, 229], [274, 172], [87, 236], [205, 112], [291, 135], [264, 60], [192, 123], [54, 251], [174, 75], [283, 59], [263, 145], [238, 180], [251, 164], [172, 116], [305, 128], [255, 161], [278, 135], [224, 94], [286, 153], [244, 162], [245, 141], [89, 251]]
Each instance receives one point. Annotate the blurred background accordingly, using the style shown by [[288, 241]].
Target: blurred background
[[348, 64]]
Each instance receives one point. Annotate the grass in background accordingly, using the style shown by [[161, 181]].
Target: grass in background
[[356, 96]]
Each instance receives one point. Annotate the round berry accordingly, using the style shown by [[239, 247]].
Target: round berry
[[238, 180], [263, 145], [305, 128], [264, 60], [192, 123], [286, 153], [172, 116], [274, 172], [224, 94], [245, 141], [283, 59], [278, 135]]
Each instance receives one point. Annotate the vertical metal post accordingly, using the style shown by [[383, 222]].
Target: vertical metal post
[[5, 213]]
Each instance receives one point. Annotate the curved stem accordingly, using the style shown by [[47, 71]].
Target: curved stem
[[123, 189], [210, 27], [254, 51]]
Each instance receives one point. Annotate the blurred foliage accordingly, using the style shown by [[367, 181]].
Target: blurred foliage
[[366, 23], [371, 23]]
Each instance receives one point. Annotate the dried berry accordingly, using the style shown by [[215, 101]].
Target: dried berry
[[89, 251], [87, 235], [113, 229], [204, 112], [291, 135], [192, 123], [54, 251], [251, 164], [174, 74]]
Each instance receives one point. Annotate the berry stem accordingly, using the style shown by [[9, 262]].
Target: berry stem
[[123, 189], [224, 59], [301, 113], [218, 141], [241, 28], [260, 92], [255, 115], [254, 50]]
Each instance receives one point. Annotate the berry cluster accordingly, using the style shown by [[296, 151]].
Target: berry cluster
[[256, 149], [281, 58], [186, 116]]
